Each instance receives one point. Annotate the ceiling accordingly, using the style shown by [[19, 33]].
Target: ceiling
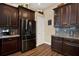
[[35, 6], [40, 6]]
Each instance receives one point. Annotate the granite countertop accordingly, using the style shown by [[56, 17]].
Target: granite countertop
[[71, 37], [9, 36]]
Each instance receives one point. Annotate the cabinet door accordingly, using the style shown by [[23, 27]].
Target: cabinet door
[[6, 15], [65, 16], [57, 18], [72, 14], [0, 46], [9, 16], [71, 48], [23, 12], [57, 44], [77, 20], [32, 15], [3, 21], [9, 46], [14, 18]]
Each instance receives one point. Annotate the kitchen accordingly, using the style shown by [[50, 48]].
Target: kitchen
[[18, 29]]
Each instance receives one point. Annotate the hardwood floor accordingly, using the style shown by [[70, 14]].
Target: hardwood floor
[[42, 50]]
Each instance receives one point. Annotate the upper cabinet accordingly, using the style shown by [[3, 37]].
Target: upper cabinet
[[8, 16], [57, 18], [72, 14], [64, 16], [77, 23], [67, 15], [26, 13]]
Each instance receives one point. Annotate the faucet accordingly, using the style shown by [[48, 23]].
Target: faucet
[[71, 33]]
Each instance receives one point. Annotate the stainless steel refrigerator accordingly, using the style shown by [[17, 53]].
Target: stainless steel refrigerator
[[28, 34]]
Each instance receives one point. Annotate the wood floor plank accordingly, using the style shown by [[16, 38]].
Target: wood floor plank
[[42, 50], [33, 51]]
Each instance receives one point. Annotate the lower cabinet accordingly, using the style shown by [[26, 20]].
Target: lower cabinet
[[65, 46], [57, 44], [9, 45], [71, 47]]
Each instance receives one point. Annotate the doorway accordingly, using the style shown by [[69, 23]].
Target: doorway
[[40, 29]]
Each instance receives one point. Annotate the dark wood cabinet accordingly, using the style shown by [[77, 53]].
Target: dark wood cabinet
[[68, 15], [26, 13], [9, 45], [72, 14], [57, 17], [8, 16], [65, 16], [14, 18], [65, 46], [77, 22], [57, 44], [32, 15], [71, 47]]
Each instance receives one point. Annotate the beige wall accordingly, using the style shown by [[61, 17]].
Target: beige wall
[[49, 30]]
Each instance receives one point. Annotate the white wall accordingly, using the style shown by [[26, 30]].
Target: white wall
[[49, 30]]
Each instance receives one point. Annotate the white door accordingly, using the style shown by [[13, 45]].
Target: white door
[[40, 30]]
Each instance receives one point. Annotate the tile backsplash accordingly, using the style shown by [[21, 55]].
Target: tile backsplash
[[67, 31], [11, 31]]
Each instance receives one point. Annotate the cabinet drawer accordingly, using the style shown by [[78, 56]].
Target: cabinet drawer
[[9, 39], [71, 40], [6, 40], [70, 49]]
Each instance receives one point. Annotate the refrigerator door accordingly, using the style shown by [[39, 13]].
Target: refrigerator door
[[23, 26], [23, 34]]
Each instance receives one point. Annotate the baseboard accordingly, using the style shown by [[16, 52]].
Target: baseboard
[[47, 43], [38, 44], [42, 43]]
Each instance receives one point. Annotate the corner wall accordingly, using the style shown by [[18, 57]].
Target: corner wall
[[49, 30]]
